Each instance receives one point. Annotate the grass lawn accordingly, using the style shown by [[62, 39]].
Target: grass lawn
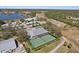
[[45, 48], [0, 29]]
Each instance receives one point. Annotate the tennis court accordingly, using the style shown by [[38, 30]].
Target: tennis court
[[36, 42]]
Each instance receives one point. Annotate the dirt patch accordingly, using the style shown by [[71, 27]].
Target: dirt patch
[[72, 34]]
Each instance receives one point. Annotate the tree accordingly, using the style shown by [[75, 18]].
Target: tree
[[26, 48], [22, 20], [69, 45], [65, 44], [22, 35], [22, 38], [2, 22]]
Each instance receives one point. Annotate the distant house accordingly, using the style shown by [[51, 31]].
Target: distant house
[[5, 25], [32, 21], [8, 45], [13, 25]]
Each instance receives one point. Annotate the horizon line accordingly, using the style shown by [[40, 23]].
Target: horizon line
[[42, 7]]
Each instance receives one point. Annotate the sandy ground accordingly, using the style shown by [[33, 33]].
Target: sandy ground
[[72, 34]]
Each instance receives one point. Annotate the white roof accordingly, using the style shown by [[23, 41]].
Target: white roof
[[36, 31], [7, 45], [12, 24], [29, 19], [5, 24]]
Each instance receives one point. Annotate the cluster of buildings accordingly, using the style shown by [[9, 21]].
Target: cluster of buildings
[[32, 22], [15, 25], [75, 18], [38, 36]]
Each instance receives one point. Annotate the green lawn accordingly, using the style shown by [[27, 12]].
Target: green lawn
[[0, 28], [48, 47], [45, 48]]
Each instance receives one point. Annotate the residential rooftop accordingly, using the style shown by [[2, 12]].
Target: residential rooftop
[[36, 31], [7, 45]]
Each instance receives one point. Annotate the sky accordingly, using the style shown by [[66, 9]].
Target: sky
[[41, 7]]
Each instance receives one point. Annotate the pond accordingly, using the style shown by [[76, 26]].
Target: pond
[[13, 16]]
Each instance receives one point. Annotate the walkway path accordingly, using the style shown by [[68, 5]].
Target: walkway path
[[62, 42]]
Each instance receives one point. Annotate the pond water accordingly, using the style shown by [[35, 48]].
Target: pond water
[[13, 16]]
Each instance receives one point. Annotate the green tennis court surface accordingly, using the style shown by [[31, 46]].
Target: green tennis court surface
[[41, 41]]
